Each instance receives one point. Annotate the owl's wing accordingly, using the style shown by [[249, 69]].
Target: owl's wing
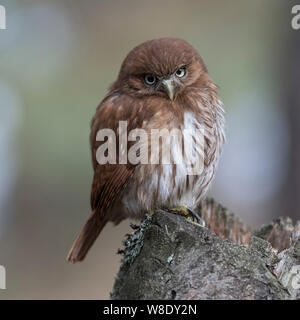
[[109, 179]]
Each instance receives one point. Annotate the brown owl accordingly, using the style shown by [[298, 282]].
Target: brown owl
[[162, 84]]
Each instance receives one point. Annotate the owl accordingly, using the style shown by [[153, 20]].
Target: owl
[[162, 84]]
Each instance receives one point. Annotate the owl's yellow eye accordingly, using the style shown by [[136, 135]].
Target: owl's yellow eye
[[181, 72]]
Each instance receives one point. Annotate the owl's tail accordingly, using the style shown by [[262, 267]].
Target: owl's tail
[[86, 238]]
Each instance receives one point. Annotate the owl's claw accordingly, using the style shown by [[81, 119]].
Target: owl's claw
[[188, 213], [151, 212]]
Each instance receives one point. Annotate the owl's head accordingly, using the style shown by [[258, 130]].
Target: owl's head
[[162, 67]]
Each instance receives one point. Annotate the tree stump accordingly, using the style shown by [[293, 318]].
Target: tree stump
[[170, 257]]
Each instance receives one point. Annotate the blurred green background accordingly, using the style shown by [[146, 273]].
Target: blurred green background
[[57, 59]]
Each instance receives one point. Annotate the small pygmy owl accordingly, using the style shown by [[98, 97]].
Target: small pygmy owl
[[162, 84]]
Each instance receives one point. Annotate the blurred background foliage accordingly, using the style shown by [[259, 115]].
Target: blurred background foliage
[[57, 59]]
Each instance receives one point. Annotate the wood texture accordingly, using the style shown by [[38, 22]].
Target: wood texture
[[169, 257]]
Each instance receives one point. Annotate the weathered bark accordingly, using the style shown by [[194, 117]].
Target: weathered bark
[[169, 257]]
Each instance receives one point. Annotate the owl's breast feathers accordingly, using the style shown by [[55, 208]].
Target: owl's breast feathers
[[140, 187]]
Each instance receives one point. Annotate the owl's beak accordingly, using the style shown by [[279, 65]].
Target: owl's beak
[[168, 84]]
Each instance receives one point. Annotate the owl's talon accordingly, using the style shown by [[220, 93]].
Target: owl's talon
[[188, 213], [195, 216], [151, 212]]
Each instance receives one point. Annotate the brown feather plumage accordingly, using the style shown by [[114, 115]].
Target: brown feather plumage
[[127, 190]]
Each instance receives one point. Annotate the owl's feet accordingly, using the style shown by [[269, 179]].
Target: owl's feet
[[188, 213]]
